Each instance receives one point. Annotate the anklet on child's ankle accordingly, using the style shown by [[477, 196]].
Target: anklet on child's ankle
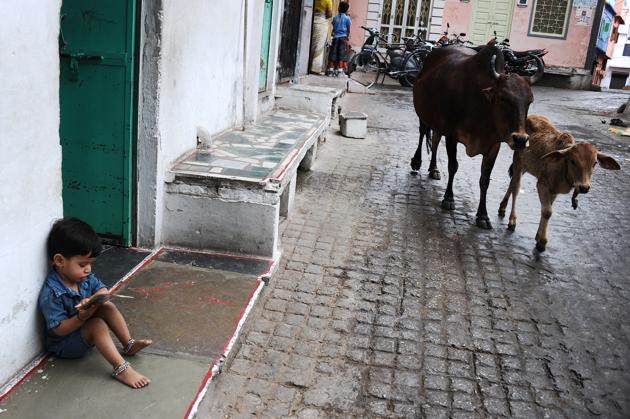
[[129, 345], [120, 369]]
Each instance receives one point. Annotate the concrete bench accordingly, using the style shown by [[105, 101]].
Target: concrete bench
[[311, 98], [230, 196]]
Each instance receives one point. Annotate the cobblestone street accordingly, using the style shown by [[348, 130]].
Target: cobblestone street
[[384, 305]]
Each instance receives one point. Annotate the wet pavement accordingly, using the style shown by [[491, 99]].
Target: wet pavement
[[385, 305]]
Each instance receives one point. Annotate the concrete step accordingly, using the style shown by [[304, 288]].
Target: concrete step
[[230, 196], [324, 98], [191, 304]]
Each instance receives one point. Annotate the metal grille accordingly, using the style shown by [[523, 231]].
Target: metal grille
[[425, 11], [404, 17], [398, 16], [411, 13], [386, 12], [550, 17]]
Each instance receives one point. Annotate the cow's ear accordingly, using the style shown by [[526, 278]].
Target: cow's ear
[[607, 162], [488, 93]]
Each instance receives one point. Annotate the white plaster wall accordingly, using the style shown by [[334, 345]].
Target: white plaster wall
[[203, 83], [30, 193], [201, 71]]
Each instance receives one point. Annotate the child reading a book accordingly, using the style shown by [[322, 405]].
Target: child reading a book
[[75, 307]]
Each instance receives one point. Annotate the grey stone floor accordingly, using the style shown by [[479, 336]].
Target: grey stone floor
[[385, 305]]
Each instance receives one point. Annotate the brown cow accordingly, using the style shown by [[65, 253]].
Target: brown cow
[[558, 163], [465, 96]]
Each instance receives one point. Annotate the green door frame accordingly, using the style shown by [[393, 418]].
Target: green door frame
[[265, 45], [99, 160]]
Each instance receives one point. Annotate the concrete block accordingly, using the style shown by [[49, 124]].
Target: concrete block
[[356, 87], [309, 157], [288, 197], [353, 124], [308, 98], [199, 221]]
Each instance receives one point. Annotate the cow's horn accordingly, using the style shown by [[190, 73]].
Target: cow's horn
[[539, 71], [493, 67]]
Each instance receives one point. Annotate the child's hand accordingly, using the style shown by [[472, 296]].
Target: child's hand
[[81, 304], [86, 313]]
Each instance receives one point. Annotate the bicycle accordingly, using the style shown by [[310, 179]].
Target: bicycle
[[402, 61]]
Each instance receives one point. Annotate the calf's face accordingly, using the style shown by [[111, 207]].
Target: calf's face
[[580, 161]]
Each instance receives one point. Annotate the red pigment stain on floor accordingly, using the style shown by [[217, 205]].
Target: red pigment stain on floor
[[211, 299], [153, 292]]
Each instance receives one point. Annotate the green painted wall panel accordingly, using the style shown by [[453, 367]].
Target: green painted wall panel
[[264, 52], [96, 97]]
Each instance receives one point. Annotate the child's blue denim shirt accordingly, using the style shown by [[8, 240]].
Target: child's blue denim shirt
[[57, 303]]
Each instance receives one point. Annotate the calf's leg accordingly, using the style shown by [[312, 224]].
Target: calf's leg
[[434, 173], [546, 203], [484, 181], [514, 188], [448, 202]]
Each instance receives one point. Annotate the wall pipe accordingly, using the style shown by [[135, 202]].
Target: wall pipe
[[245, 19]]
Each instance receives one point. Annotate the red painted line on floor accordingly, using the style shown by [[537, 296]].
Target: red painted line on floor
[[203, 388], [145, 262], [26, 376]]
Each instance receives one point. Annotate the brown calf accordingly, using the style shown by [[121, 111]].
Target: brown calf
[[558, 163]]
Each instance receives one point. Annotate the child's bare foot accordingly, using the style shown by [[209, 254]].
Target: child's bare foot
[[132, 378], [134, 346]]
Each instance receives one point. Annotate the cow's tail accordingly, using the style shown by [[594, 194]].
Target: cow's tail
[[511, 170]]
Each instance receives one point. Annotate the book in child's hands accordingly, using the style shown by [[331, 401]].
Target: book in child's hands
[[95, 299]]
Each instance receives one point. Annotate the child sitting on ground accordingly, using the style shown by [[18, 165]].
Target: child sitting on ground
[[339, 48], [73, 328]]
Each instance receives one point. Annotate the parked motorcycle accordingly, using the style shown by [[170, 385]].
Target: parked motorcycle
[[524, 63]]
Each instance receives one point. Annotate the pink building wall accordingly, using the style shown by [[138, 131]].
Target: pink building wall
[[569, 52], [457, 15], [358, 13]]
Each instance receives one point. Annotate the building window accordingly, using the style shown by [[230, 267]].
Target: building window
[[626, 50], [404, 18], [550, 18]]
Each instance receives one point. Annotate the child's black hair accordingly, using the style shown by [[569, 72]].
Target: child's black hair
[[343, 7], [73, 237]]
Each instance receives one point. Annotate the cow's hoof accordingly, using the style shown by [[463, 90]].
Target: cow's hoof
[[512, 227], [415, 164], [448, 204], [540, 246], [484, 222], [501, 212], [435, 174]]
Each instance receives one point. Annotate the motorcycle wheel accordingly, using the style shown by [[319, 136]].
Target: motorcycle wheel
[[365, 70], [412, 65], [531, 66]]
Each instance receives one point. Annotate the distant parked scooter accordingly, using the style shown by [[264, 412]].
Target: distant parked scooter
[[523, 63]]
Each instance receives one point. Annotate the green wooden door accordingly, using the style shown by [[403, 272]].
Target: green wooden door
[[489, 16], [264, 50], [96, 47]]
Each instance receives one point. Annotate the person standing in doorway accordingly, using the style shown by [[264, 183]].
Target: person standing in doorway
[[340, 45], [322, 12]]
